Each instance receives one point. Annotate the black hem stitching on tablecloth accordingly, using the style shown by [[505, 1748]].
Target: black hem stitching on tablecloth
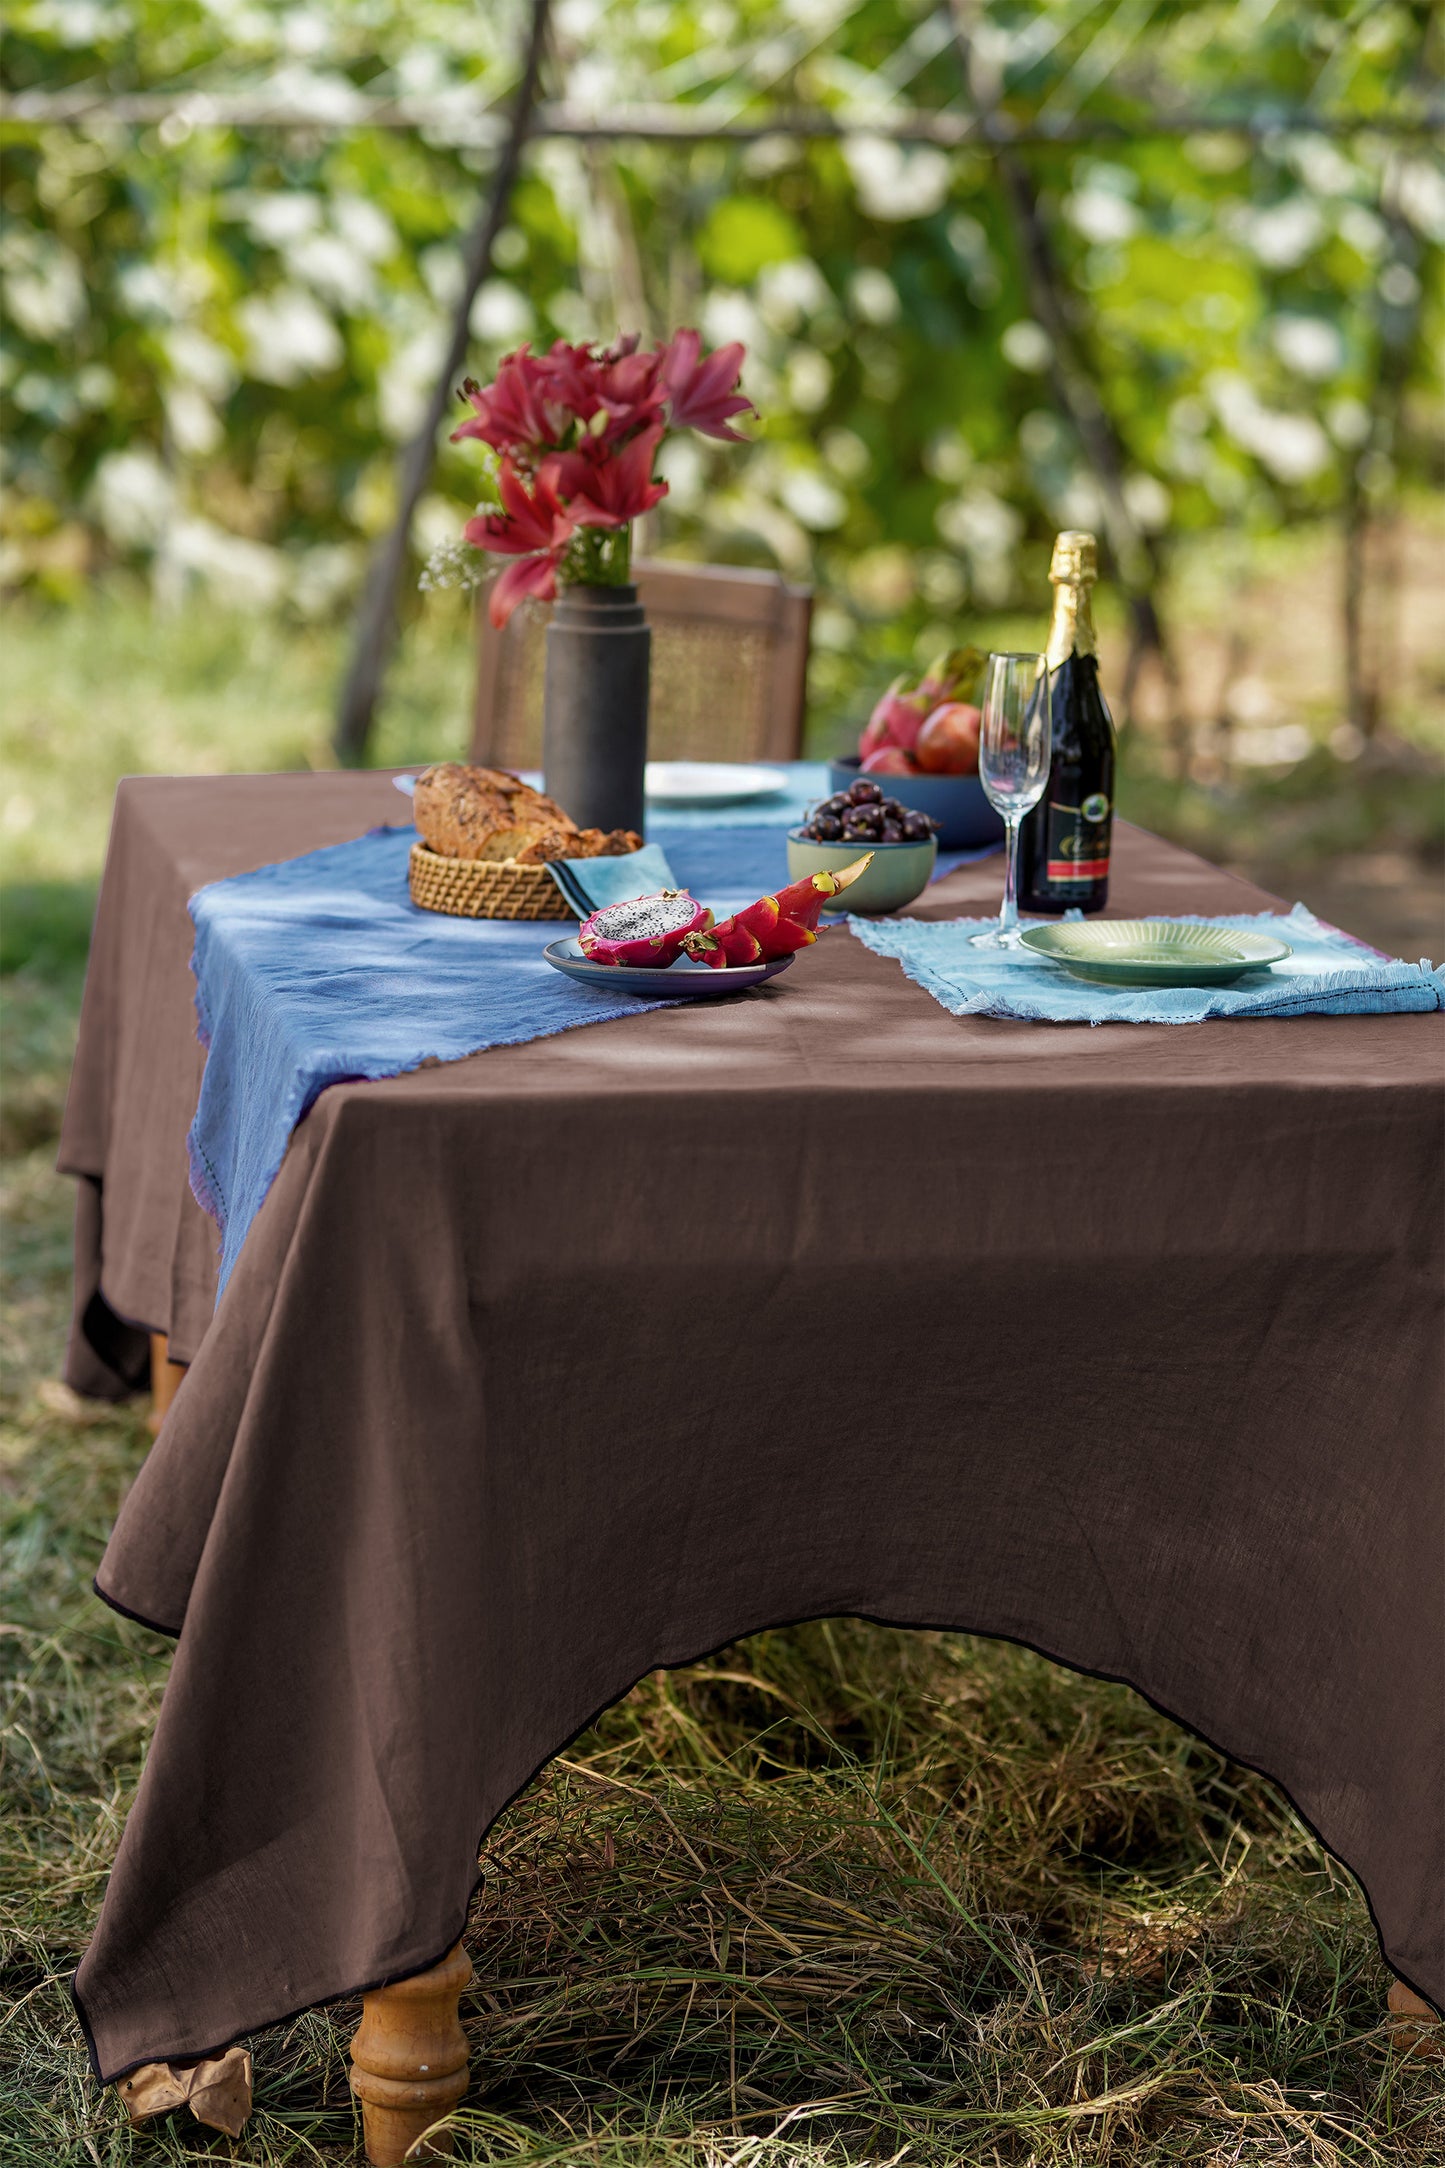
[[411, 1972], [172, 1633]]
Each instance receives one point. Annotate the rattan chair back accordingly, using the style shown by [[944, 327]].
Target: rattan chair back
[[729, 669]]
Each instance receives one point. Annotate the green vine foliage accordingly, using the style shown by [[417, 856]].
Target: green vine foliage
[[217, 338]]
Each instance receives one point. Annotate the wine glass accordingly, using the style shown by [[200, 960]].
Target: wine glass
[[1015, 741]]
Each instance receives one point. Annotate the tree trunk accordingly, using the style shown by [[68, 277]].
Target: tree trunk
[[1352, 599], [375, 634], [1372, 567], [1136, 555]]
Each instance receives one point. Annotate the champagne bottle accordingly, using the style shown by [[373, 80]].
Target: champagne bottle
[[1064, 841]]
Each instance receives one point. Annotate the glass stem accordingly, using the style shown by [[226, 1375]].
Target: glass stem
[[1008, 916]]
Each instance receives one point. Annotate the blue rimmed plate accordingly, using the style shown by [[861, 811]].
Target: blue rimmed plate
[[682, 981]]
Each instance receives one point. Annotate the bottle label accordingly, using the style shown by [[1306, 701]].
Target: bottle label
[[1078, 840]]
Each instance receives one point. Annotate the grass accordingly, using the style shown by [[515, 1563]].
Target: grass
[[111, 690], [839, 1896]]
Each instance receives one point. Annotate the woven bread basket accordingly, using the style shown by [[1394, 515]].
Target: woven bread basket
[[484, 887]]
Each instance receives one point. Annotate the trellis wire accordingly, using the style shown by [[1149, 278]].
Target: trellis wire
[[451, 121]]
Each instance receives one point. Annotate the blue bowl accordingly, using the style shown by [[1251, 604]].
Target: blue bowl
[[965, 818]]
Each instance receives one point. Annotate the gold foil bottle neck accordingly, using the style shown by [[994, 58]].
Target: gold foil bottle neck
[[1076, 557], [1074, 569]]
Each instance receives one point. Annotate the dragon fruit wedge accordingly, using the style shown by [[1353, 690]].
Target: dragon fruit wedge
[[775, 925], [644, 932]]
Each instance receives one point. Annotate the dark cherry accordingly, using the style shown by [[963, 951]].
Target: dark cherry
[[826, 828], [892, 832], [864, 792]]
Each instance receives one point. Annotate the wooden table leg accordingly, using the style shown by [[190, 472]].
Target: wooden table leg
[[409, 2059], [1415, 2028], [165, 1378]]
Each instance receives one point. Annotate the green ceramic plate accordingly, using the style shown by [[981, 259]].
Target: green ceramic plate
[[1153, 951]]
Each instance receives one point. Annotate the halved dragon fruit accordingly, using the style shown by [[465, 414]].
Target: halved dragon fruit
[[775, 925], [645, 931]]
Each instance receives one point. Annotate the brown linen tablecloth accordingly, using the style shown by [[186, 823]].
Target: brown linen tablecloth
[[546, 1367]]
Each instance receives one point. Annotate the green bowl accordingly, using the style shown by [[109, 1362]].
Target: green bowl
[[899, 872]]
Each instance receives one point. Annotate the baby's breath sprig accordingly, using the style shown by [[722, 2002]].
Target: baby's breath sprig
[[453, 566]]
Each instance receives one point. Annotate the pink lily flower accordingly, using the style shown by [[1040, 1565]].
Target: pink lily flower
[[607, 488], [513, 412], [578, 430], [703, 393], [534, 529]]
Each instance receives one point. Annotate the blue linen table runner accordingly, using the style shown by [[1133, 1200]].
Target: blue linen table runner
[[1328, 974], [321, 970]]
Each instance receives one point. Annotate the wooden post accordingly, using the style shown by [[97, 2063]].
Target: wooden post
[[409, 2060], [165, 1380], [1415, 2028]]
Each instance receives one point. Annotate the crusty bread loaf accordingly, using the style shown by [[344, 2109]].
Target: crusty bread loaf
[[487, 813], [490, 814], [463, 812]]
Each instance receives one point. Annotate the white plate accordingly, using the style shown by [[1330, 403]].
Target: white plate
[[710, 782]]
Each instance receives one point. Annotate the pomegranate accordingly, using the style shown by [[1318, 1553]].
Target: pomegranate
[[645, 931], [901, 712], [948, 741], [890, 760], [775, 925]]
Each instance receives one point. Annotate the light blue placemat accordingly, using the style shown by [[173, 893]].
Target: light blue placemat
[[1327, 975]]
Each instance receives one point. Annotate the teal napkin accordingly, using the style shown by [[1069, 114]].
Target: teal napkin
[[589, 883]]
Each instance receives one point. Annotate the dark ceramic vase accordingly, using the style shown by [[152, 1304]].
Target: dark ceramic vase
[[594, 712]]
